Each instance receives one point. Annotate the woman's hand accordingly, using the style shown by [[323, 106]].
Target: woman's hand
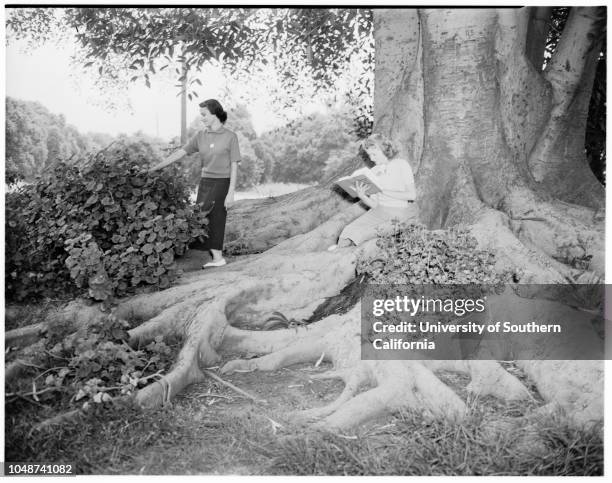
[[361, 189], [229, 199]]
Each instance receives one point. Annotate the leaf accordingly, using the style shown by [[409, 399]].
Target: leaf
[[91, 200]]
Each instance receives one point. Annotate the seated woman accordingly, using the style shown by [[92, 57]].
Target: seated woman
[[395, 201]]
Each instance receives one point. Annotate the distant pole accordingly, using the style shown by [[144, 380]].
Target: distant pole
[[184, 104]]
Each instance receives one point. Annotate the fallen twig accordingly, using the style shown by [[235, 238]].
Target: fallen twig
[[34, 392], [200, 396], [275, 426], [234, 388], [20, 396]]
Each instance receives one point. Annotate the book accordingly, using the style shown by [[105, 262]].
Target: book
[[363, 175]]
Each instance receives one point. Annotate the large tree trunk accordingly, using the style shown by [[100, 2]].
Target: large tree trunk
[[482, 127], [254, 226]]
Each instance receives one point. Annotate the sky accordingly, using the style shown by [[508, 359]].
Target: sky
[[45, 74]]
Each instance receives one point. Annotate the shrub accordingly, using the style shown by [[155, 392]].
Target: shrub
[[107, 225], [414, 255], [438, 264], [91, 365]]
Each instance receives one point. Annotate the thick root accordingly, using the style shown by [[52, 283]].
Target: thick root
[[530, 265], [394, 385], [488, 378], [570, 233], [184, 372], [573, 387]]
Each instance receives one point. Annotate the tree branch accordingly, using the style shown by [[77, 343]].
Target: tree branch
[[567, 63], [537, 32]]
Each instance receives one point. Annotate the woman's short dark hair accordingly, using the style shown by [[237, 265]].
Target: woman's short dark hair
[[215, 108]]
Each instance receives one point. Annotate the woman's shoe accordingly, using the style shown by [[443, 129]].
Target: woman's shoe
[[215, 263]]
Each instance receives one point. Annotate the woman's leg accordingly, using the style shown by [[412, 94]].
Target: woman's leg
[[216, 254], [214, 192], [373, 221]]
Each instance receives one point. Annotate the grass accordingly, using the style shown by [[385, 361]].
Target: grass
[[203, 434], [410, 446]]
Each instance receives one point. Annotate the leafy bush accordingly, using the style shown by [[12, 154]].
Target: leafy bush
[[91, 366], [438, 264], [414, 255], [107, 225]]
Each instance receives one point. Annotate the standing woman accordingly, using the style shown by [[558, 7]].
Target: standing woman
[[219, 155]]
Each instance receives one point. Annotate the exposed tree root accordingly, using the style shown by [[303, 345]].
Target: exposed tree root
[[222, 311], [396, 384], [572, 234], [257, 225], [402, 384]]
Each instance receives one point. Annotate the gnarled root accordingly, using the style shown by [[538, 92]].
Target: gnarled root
[[571, 233], [392, 385]]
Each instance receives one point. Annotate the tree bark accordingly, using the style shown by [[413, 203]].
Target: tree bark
[[254, 226], [398, 87]]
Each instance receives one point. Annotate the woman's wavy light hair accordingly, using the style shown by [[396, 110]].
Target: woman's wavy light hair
[[388, 147]]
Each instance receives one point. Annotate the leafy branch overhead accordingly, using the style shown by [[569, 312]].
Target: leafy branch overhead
[[153, 39]]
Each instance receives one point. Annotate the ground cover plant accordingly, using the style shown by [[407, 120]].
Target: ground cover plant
[[70, 370]]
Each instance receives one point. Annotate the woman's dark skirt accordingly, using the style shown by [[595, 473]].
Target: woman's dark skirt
[[211, 195]]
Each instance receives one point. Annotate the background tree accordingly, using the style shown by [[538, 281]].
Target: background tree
[[36, 139], [315, 43], [300, 150]]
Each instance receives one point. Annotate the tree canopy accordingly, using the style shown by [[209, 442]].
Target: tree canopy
[[312, 45]]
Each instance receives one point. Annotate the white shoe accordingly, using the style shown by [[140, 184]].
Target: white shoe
[[332, 248], [217, 263]]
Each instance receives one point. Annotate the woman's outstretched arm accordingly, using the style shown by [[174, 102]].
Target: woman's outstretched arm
[[175, 156]]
